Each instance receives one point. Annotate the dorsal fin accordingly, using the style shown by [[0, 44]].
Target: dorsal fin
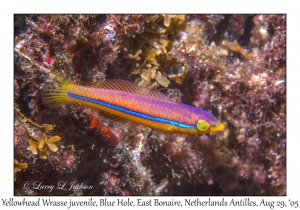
[[127, 86]]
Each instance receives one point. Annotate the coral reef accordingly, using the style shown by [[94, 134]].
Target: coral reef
[[233, 66]]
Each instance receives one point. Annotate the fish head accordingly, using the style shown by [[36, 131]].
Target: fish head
[[208, 124]]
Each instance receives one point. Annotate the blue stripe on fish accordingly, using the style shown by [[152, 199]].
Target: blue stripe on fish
[[137, 114]]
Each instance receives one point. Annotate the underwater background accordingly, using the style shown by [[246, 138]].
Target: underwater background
[[233, 66]]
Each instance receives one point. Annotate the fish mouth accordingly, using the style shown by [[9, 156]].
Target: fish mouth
[[219, 127]]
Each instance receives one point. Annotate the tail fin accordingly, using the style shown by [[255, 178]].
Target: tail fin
[[57, 95]]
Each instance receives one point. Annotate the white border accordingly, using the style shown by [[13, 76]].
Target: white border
[[154, 6]]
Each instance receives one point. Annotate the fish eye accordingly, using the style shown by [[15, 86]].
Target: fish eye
[[202, 125]]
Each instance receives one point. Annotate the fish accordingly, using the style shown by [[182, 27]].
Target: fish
[[126, 103]]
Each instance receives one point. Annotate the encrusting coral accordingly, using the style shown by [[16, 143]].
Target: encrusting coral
[[233, 66]]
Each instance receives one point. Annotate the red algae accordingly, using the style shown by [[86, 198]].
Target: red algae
[[244, 86]]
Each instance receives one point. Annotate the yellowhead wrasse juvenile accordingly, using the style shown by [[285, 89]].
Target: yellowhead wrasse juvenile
[[125, 100]]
